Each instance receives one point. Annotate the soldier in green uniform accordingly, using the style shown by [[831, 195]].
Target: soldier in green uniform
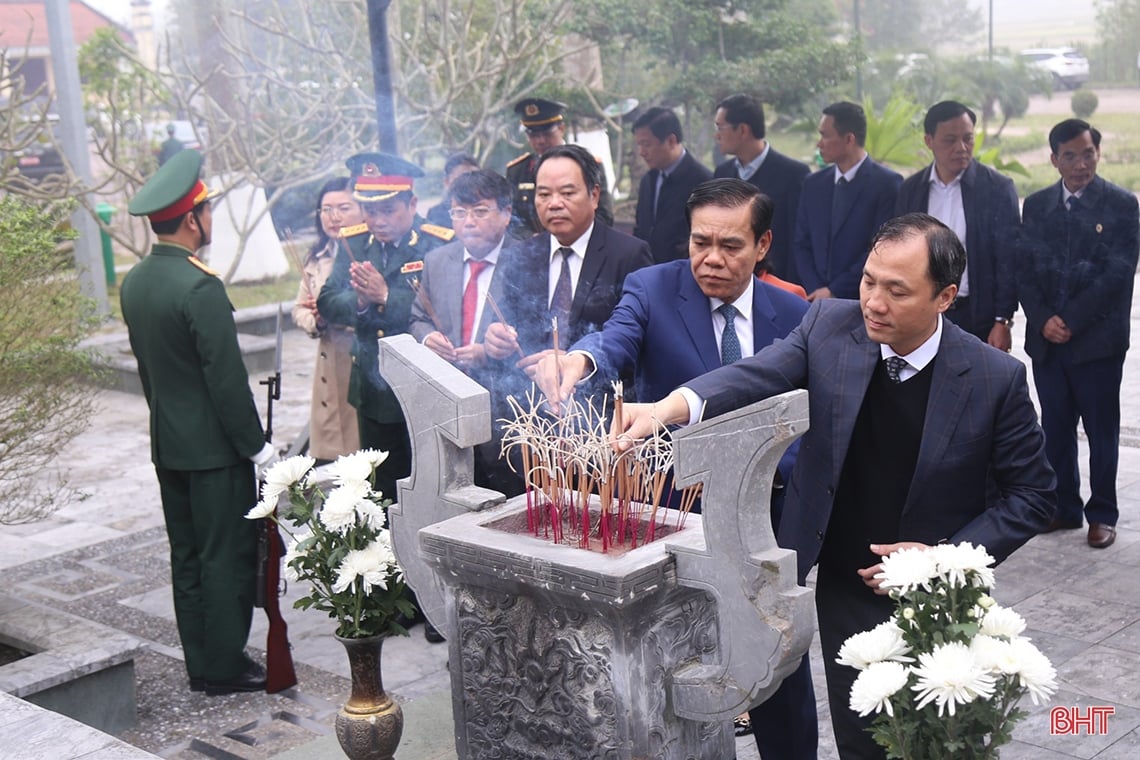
[[370, 290], [206, 437], [545, 127]]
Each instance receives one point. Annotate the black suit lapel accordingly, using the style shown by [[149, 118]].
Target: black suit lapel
[[591, 267]]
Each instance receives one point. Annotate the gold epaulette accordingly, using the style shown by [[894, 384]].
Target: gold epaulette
[[202, 265], [435, 230], [519, 160], [355, 229]]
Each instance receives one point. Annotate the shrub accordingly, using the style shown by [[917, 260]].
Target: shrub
[[43, 400], [1084, 103]]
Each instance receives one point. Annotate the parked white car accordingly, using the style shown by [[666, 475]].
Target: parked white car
[[1068, 67]]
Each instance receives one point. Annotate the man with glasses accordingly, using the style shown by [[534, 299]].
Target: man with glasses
[[740, 132], [463, 284], [544, 123], [1076, 268]]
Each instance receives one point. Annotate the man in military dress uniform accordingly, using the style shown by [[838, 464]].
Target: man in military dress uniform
[[206, 438], [370, 290], [545, 128]]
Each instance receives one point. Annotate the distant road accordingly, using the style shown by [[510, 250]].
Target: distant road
[[1126, 100]]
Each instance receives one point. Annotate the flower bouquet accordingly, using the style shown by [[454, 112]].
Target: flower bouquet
[[945, 673], [338, 542]]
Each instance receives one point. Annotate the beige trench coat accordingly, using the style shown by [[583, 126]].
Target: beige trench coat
[[332, 420]]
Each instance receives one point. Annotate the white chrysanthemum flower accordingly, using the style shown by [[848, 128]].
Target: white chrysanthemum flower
[[338, 513], [371, 513], [369, 565], [292, 552], [375, 457], [873, 689], [263, 508], [908, 569], [881, 643], [284, 474], [993, 654], [353, 469], [949, 675], [964, 564], [1002, 622], [1034, 670]]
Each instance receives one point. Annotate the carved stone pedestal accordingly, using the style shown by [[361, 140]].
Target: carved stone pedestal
[[561, 652]]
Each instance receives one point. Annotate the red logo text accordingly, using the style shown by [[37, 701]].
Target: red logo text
[[1073, 720]]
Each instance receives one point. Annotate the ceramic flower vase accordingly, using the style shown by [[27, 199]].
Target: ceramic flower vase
[[370, 723]]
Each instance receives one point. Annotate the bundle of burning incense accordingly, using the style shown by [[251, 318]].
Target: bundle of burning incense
[[499, 317], [421, 294], [578, 489]]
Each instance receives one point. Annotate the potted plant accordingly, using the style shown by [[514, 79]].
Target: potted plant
[[339, 543], [945, 673]]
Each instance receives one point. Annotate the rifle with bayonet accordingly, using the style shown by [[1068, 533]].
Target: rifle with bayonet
[[279, 672]]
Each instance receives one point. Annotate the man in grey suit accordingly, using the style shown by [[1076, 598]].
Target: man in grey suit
[[459, 282], [918, 434]]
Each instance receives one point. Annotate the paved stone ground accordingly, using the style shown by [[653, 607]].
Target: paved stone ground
[[104, 557]]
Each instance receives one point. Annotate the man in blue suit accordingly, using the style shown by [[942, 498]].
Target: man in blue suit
[[841, 207], [673, 173], [980, 205], [1076, 271], [918, 434], [740, 132], [681, 319]]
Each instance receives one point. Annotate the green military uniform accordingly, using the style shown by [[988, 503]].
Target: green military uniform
[[381, 420], [539, 114], [204, 427]]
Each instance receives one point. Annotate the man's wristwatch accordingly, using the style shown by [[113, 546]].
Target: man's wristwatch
[[1007, 321]]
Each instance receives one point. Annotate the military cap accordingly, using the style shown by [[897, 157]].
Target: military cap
[[538, 114], [173, 190], [380, 176]]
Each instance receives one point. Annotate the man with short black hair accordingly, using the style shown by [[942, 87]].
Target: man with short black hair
[[1076, 269], [841, 206], [661, 219], [206, 437], [740, 132], [980, 205], [918, 434]]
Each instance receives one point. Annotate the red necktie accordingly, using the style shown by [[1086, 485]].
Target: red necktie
[[471, 298]]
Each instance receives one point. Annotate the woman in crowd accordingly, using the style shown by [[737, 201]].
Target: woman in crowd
[[332, 420]]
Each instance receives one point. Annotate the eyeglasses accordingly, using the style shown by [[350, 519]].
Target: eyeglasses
[[723, 126], [479, 212], [343, 209], [1088, 156]]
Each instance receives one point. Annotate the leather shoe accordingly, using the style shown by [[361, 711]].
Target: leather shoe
[[1057, 524], [1101, 536], [197, 684], [432, 634], [253, 679]]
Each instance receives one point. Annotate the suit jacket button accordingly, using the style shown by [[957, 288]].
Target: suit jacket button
[[379, 333], [830, 491], [819, 534]]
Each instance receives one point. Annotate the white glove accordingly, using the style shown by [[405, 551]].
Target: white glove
[[264, 459]]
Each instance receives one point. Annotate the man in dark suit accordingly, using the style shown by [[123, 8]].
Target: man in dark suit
[[918, 434], [670, 327], [573, 272], [740, 132], [662, 220], [459, 280], [370, 290], [841, 206], [980, 205], [545, 125], [204, 428], [1076, 270]]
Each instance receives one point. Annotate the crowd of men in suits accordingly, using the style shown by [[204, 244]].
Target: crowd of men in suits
[[890, 300]]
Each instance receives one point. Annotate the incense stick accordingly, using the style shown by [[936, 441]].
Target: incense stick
[[499, 316], [421, 294]]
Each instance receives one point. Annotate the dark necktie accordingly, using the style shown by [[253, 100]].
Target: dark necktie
[[838, 203], [729, 342], [895, 365], [563, 292], [1072, 203], [471, 299], [657, 196]]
